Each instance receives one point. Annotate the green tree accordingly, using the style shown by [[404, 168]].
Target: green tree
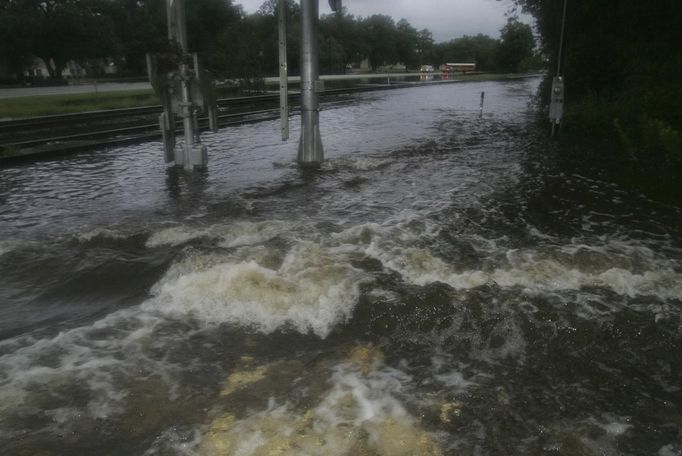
[[379, 32], [425, 47], [622, 65], [407, 42], [480, 49], [516, 46], [262, 28], [18, 23], [612, 46], [331, 45], [140, 26], [72, 30], [341, 41], [207, 21]]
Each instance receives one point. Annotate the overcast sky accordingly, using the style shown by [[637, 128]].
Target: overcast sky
[[447, 19]]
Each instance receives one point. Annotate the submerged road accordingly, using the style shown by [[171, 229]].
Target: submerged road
[[443, 285]]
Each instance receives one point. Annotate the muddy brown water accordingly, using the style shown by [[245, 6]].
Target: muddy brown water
[[442, 285]]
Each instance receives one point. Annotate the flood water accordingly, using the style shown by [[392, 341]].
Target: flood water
[[444, 284]]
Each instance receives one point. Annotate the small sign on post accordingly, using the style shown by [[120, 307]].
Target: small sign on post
[[556, 105]]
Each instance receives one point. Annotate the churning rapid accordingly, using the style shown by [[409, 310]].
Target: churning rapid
[[444, 284]]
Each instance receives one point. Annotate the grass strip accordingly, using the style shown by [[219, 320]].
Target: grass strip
[[46, 105]]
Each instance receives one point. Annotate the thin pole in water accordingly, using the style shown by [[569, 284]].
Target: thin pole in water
[[480, 113]]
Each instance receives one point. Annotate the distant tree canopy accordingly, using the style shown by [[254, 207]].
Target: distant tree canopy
[[516, 47], [480, 49], [230, 43], [56, 31], [612, 45]]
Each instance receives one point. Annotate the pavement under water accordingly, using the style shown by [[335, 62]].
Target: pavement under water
[[442, 285]]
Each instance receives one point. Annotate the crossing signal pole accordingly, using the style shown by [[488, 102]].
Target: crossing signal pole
[[185, 90]]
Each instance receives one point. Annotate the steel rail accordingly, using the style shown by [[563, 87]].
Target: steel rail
[[138, 111], [22, 149]]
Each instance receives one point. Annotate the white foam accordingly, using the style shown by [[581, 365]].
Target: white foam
[[100, 232], [313, 290], [670, 450], [373, 394], [404, 229], [229, 235], [454, 380], [361, 234], [359, 414], [78, 357], [249, 233], [420, 267], [626, 268], [616, 428], [629, 270], [175, 442], [359, 163], [613, 425], [176, 235]]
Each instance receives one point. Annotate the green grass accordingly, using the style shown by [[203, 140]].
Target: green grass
[[33, 106]]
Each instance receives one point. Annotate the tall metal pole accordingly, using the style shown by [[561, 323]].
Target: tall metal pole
[[310, 151], [186, 104], [283, 71], [170, 20]]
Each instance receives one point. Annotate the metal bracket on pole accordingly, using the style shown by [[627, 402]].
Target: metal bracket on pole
[[310, 150], [160, 84], [283, 71], [336, 5]]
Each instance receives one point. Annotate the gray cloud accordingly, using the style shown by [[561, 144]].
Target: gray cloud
[[447, 19]]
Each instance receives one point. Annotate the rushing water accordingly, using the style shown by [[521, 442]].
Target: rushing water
[[442, 285]]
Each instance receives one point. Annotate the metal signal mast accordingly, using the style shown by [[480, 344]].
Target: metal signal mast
[[310, 149], [185, 90]]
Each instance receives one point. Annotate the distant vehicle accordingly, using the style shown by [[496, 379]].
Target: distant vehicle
[[460, 67], [426, 69]]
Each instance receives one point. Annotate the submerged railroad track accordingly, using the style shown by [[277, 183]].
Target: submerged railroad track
[[37, 137]]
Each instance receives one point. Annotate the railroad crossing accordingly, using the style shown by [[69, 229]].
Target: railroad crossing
[[186, 90]]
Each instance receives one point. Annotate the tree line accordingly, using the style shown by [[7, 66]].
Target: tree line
[[233, 44], [622, 65]]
